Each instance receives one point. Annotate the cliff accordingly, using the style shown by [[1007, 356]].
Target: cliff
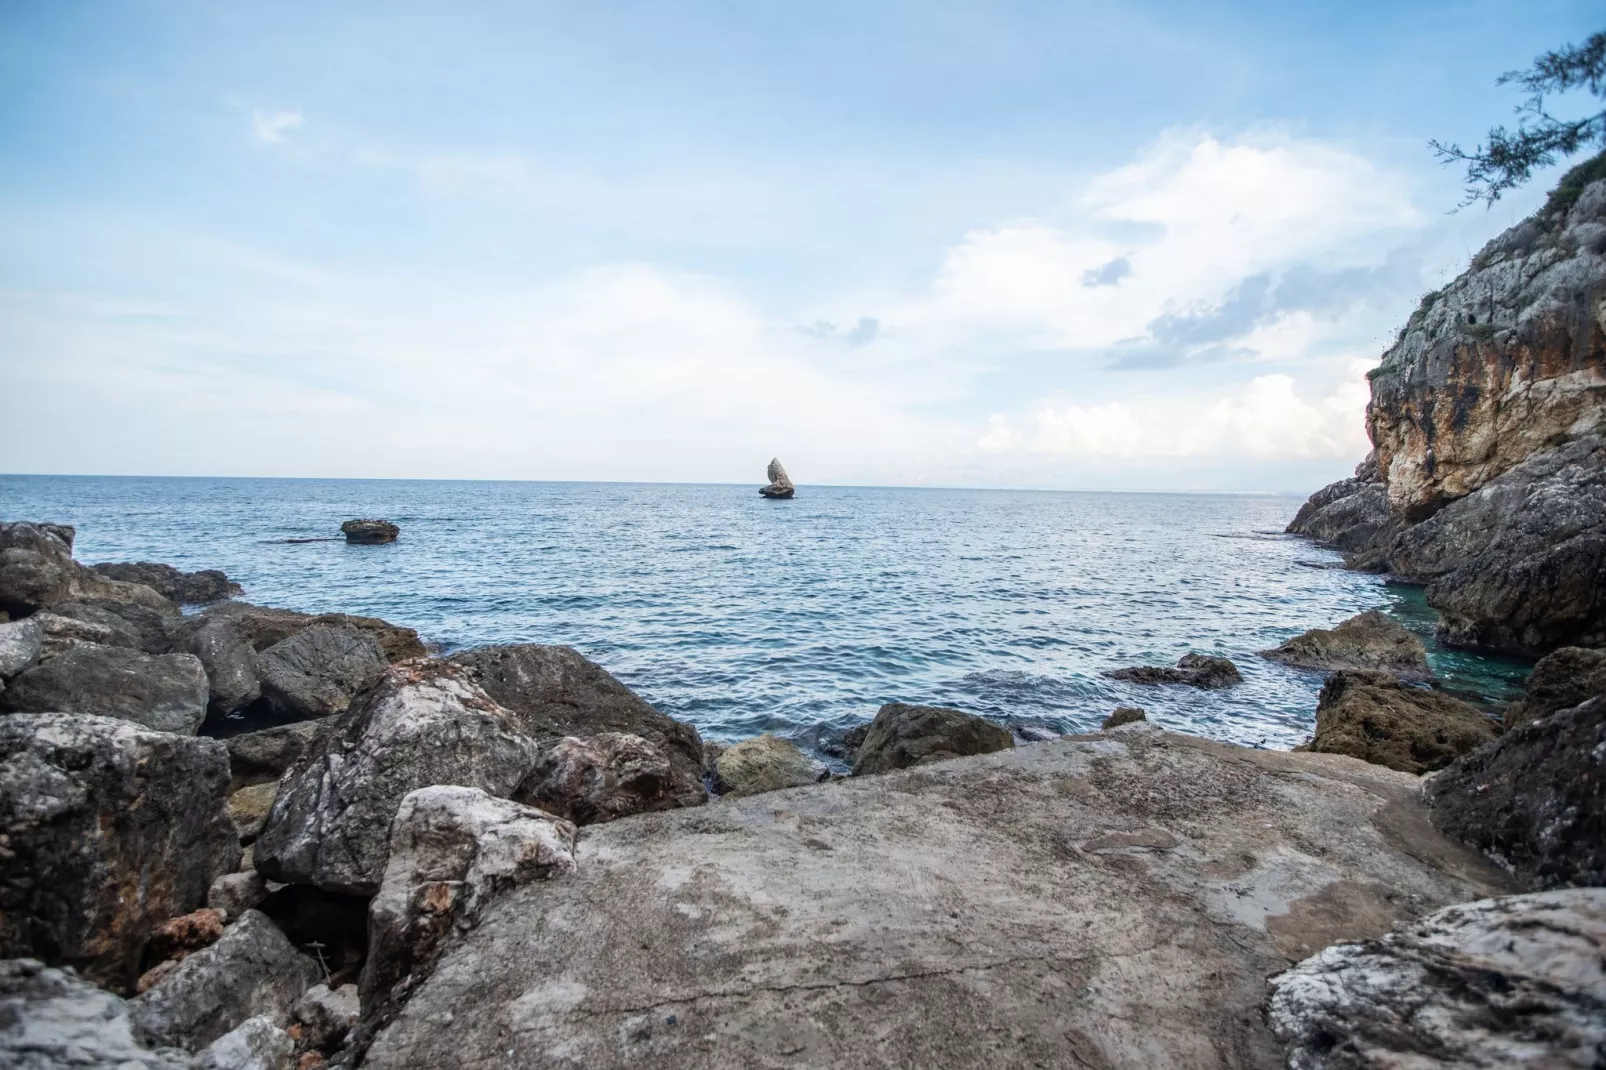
[[1488, 480]]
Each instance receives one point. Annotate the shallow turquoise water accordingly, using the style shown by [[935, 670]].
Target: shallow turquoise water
[[745, 615]]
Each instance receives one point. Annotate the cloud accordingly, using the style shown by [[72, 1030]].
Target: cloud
[[274, 125], [1107, 274]]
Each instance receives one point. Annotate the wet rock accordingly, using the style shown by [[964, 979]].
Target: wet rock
[[555, 692], [257, 757], [177, 937], [326, 1016], [51, 1018], [20, 643], [1562, 679], [765, 764], [1195, 670], [1369, 640], [780, 485], [166, 692], [110, 830], [602, 777], [1535, 799], [369, 532], [423, 723], [317, 671], [255, 1044], [1374, 717], [251, 970], [1123, 715], [452, 851], [1516, 981], [129, 624], [1352, 517], [185, 588], [249, 808], [903, 735], [235, 893]]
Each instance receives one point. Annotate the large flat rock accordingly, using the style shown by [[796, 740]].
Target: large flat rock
[[1098, 901]]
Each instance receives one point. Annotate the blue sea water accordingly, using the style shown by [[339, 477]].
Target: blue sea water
[[744, 615]]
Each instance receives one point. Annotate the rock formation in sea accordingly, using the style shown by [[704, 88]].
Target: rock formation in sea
[[1488, 417], [780, 485], [369, 532], [1369, 640], [1196, 670]]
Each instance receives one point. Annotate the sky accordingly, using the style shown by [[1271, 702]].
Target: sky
[[1101, 246]]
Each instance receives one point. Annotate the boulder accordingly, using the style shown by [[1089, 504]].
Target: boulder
[[555, 692], [20, 643], [317, 671], [327, 1015], [184, 588], [256, 757], [423, 723], [37, 569], [1515, 981], [235, 893], [1195, 670], [1562, 679], [129, 624], [51, 1019], [251, 970], [598, 778], [1535, 799], [61, 634], [1369, 640], [1351, 516], [766, 764], [1373, 716], [249, 808], [110, 830], [255, 1044], [780, 485], [166, 692], [1123, 715], [903, 735], [452, 850], [369, 532]]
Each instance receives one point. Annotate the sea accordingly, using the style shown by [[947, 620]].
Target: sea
[[744, 615]]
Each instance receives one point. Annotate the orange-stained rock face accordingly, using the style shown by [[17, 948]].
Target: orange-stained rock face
[[1507, 360]]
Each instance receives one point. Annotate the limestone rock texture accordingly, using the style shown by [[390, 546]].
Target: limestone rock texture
[[319, 670], [765, 763], [423, 723], [1372, 716], [903, 735], [554, 692], [185, 588], [165, 692], [258, 757], [599, 778], [109, 830], [1506, 982], [130, 624], [780, 484], [37, 569], [255, 1044], [1195, 670], [1536, 799], [1114, 901], [1369, 640], [52, 1018], [1562, 679], [1488, 418], [253, 969], [20, 644]]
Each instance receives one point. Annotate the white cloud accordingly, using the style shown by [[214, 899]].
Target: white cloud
[[274, 125]]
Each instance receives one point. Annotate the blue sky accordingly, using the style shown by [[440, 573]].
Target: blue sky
[[1123, 246]]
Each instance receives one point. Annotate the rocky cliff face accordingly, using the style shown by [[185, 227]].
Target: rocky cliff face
[[1488, 415]]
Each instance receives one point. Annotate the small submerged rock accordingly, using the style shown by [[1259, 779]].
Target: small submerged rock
[[369, 532], [1372, 716], [903, 735], [780, 485], [1369, 640], [1195, 670], [766, 763], [1123, 715]]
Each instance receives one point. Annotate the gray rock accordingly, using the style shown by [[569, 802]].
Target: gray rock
[[127, 624], [50, 1019], [1374, 717], [423, 723], [602, 777], [1195, 670], [903, 735], [37, 569], [252, 970], [326, 1016], [1352, 517], [110, 830], [166, 692], [255, 1044], [255, 757], [1113, 902], [1498, 983], [20, 643], [1562, 679], [1123, 715], [317, 671], [1369, 640], [185, 588], [249, 808], [765, 764], [369, 532], [235, 893], [61, 634], [1535, 799], [453, 850], [554, 692], [780, 485]]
